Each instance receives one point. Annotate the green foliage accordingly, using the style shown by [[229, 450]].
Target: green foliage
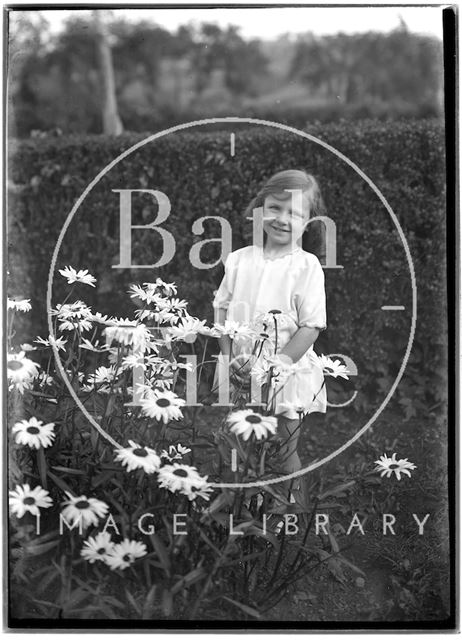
[[347, 66], [229, 553], [195, 170], [164, 78]]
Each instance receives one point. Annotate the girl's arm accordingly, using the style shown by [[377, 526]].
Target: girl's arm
[[300, 342]]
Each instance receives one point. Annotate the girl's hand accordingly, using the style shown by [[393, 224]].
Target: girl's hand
[[241, 368]]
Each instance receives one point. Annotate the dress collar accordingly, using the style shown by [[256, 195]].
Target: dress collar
[[261, 250]]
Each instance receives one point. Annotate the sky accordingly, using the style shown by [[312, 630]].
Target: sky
[[270, 22]]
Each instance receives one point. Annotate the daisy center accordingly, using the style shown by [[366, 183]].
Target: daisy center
[[29, 500], [274, 311], [394, 466], [82, 504], [101, 551], [14, 365], [328, 370], [142, 453], [180, 472], [127, 557], [253, 419], [33, 430], [163, 402]]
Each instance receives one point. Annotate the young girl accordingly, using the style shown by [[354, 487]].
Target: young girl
[[279, 289]]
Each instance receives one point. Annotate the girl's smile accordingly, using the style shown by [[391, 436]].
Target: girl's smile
[[285, 219]]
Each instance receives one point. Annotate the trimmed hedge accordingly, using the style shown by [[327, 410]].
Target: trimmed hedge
[[404, 160]]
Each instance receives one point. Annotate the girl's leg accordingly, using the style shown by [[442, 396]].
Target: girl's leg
[[289, 460]]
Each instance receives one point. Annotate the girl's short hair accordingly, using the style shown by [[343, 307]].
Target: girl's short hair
[[314, 238]]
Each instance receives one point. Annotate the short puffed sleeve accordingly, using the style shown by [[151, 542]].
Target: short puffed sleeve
[[310, 296], [225, 290]]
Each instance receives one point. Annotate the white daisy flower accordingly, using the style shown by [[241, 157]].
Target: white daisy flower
[[162, 384], [59, 343], [130, 333], [19, 305], [75, 325], [45, 380], [80, 375], [163, 313], [164, 288], [34, 433], [146, 295], [187, 366], [99, 317], [235, 330], [27, 347], [102, 379], [333, 368], [247, 423], [157, 383], [123, 554], [74, 316], [175, 452], [188, 328], [136, 291], [72, 311], [81, 276], [202, 491], [96, 346], [183, 478], [282, 368], [23, 499], [141, 360], [175, 305], [261, 371], [163, 405], [21, 371], [389, 466], [113, 321], [86, 509], [144, 314], [97, 548], [137, 457]]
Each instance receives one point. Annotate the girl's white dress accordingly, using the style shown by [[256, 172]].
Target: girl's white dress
[[293, 284]]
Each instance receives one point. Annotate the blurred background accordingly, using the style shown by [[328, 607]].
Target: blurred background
[[87, 71]]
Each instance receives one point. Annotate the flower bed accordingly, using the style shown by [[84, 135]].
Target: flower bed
[[127, 509]]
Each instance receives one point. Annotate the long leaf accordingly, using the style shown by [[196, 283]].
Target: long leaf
[[132, 601], [249, 610], [270, 537], [338, 490], [189, 579], [167, 602], [42, 466], [148, 606], [60, 482], [76, 598], [76, 472], [161, 552], [38, 549]]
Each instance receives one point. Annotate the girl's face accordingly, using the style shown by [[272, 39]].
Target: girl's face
[[285, 217]]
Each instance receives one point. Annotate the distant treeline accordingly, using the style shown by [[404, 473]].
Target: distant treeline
[[163, 78]]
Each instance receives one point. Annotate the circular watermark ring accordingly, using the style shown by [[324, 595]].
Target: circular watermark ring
[[303, 134]]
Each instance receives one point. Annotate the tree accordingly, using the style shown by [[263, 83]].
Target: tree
[[112, 124]]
